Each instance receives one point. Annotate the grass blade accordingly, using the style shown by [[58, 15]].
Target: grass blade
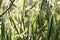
[[49, 28], [2, 29], [15, 24]]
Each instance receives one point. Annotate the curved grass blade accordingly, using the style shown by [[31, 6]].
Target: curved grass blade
[[49, 28], [30, 8]]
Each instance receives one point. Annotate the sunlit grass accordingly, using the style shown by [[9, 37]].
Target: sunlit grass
[[36, 21]]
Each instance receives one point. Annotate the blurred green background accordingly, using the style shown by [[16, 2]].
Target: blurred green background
[[29, 19]]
